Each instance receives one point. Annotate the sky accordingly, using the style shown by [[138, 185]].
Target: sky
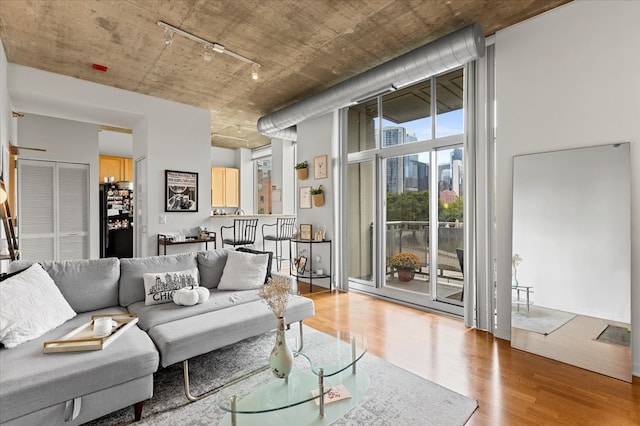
[[448, 124]]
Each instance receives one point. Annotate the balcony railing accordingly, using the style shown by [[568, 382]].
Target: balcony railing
[[413, 236]]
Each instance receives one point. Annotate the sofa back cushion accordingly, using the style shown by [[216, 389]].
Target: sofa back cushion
[[132, 272], [87, 285], [211, 264]]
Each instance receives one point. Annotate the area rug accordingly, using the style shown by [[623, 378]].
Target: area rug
[[395, 396], [616, 335], [539, 320]]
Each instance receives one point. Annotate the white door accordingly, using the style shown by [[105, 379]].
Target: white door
[[53, 210]]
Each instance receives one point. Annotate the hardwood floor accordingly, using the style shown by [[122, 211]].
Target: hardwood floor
[[512, 387]]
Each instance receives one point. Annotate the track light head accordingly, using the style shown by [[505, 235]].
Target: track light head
[[168, 36], [254, 71]]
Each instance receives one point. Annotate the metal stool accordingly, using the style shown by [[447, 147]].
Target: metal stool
[[284, 231], [244, 232]]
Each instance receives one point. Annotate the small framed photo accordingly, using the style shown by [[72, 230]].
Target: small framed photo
[[181, 191], [320, 167], [302, 264], [305, 231], [304, 197]]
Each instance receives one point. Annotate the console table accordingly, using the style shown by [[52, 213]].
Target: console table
[[163, 240]]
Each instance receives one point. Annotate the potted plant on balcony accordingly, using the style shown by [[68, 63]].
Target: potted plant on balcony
[[302, 168], [406, 264], [318, 196]]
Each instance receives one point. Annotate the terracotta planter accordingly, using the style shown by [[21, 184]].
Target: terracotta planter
[[303, 174], [318, 200], [405, 275]]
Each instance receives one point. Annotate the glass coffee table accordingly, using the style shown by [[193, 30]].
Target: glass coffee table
[[323, 362]]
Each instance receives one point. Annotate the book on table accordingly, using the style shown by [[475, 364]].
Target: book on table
[[335, 393]]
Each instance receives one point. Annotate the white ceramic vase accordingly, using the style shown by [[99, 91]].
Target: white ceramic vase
[[281, 358]]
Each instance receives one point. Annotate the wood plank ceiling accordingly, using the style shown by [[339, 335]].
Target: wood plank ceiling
[[304, 46]]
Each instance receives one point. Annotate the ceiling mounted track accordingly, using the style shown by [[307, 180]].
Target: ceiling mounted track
[[446, 53]]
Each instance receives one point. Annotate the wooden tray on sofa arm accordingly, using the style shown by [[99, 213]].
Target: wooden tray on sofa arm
[[81, 339]]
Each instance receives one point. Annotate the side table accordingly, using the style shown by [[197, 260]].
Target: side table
[[527, 300], [307, 273]]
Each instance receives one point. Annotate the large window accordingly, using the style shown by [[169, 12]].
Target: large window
[[263, 185], [406, 163]]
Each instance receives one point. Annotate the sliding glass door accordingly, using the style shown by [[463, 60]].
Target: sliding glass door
[[406, 191]]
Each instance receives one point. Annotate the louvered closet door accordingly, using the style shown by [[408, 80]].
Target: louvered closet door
[[73, 211], [53, 210]]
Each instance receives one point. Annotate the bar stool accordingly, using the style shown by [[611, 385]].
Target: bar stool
[[284, 231], [244, 232]]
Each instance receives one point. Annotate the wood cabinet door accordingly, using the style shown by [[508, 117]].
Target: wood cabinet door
[[128, 169], [231, 187], [217, 187], [111, 166]]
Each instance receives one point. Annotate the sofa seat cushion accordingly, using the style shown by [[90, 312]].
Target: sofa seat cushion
[[183, 339], [150, 316], [32, 380]]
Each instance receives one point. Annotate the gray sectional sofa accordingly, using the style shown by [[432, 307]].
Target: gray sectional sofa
[[75, 387]]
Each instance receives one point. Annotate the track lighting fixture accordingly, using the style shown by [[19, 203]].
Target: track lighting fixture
[[168, 36], [209, 47]]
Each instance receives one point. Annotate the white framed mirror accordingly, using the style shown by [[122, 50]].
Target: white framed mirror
[[571, 247]]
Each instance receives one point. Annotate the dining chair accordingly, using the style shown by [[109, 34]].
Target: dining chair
[[244, 232], [283, 232]]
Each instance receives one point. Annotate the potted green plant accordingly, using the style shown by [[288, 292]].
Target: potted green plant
[[406, 264], [302, 168], [318, 196]]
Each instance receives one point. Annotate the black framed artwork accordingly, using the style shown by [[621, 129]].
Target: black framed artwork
[[180, 191]]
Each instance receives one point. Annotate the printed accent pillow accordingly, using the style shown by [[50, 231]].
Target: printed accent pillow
[[159, 287], [30, 305], [243, 271]]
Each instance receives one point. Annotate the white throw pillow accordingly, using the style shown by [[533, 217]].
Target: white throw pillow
[[160, 286], [30, 305], [243, 271]]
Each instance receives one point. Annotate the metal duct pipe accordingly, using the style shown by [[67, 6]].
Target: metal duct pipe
[[446, 53]]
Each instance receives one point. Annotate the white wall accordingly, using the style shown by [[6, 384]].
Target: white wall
[[223, 157], [170, 135], [117, 144], [315, 137], [566, 79]]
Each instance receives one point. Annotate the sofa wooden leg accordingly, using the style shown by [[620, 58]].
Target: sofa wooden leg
[[137, 410]]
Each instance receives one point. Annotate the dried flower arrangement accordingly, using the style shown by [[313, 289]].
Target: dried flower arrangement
[[515, 261], [276, 295]]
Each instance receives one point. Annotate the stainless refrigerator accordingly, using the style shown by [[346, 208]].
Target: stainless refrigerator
[[116, 219]]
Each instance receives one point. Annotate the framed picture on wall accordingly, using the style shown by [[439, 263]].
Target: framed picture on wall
[[304, 197], [320, 167], [181, 191]]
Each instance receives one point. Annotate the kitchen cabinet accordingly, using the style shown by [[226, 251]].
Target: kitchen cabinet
[[121, 168], [225, 187]]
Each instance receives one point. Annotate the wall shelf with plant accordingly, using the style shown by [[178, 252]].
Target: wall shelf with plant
[[318, 196], [302, 169]]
